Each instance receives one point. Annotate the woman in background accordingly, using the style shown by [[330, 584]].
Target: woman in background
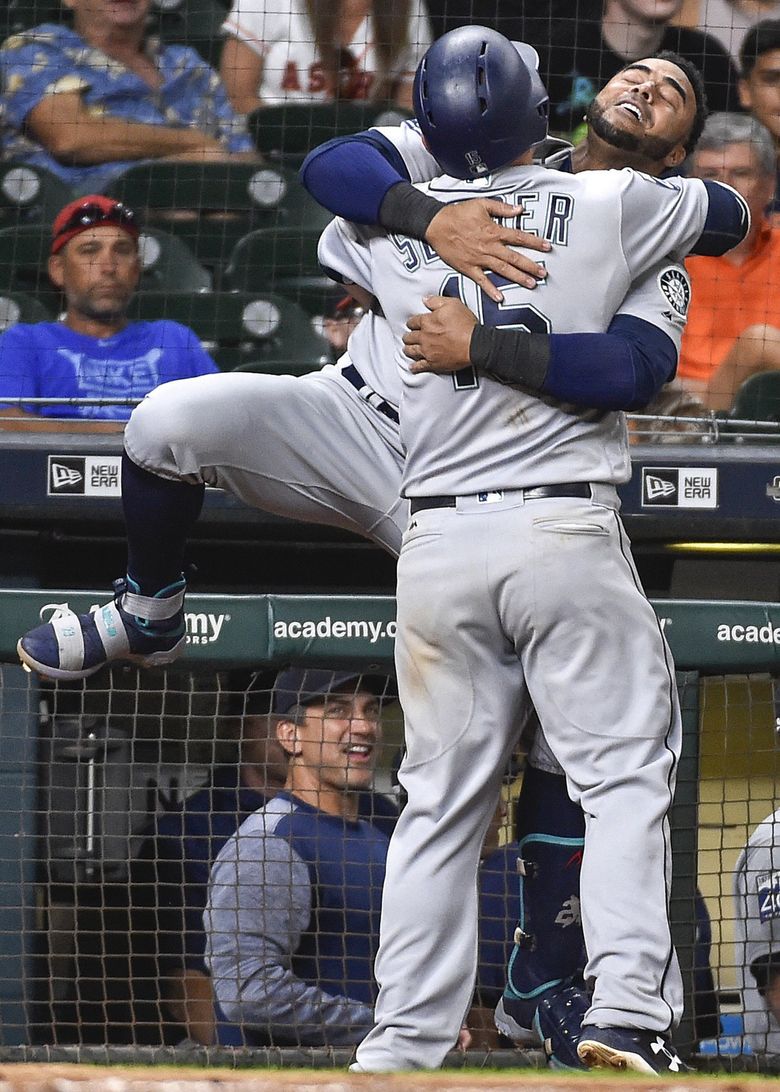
[[280, 51]]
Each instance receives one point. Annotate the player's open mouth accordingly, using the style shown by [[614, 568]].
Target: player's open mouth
[[632, 109]]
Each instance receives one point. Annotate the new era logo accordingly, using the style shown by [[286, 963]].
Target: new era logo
[[84, 476], [679, 487], [66, 475], [657, 487]]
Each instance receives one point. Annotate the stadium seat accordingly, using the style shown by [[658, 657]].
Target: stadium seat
[[289, 131], [242, 330], [758, 399], [167, 264], [213, 205], [30, 195], [195, 23], [279, 260], [18, 307], [23, 254], [19, 15]]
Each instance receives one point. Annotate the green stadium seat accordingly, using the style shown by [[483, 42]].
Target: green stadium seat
[[30, 195], [167, 264], [24, 251], [242, 330], [18, 307], [289, 131], [279, 260], [210, 206], [195, 23], [758, 399]]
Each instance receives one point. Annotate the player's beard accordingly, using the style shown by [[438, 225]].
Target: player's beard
[[650, 149]]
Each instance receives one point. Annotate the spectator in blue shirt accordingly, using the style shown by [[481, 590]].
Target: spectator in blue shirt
[[292, 918], [88, 102], [94, 352]]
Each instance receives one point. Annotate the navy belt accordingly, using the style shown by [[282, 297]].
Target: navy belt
[[353, 376], [536, 492]]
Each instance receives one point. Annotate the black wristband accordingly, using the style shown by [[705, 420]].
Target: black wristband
[[516, 357], [407, 211]]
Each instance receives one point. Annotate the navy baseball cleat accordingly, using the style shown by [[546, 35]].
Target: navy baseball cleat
[[146, 630], [628, 1048], [558, 1025]]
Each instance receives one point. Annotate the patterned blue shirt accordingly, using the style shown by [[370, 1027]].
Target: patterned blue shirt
[[51, 59]]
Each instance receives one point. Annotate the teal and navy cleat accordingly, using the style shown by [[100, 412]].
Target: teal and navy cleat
[[145, 630]]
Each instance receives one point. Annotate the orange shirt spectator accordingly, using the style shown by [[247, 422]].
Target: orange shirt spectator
[[733, 328], [726, 299]]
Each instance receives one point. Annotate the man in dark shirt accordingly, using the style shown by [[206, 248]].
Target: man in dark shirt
[[580, 55]]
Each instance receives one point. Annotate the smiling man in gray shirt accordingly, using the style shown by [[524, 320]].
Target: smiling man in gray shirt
[[292, 918]]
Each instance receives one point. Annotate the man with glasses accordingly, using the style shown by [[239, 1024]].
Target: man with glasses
[[93, 351]]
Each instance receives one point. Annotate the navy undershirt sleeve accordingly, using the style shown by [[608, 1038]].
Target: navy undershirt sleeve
[[350, 176], [727, 222], [623, 368]]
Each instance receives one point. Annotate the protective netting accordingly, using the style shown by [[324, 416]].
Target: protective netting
[[120, 793], [204, 138]]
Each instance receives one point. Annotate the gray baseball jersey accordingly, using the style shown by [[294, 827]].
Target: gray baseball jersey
[[757, 927], [618, 220], [508, 598]]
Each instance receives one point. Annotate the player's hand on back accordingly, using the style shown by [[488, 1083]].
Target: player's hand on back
[[468, 238], [439, 339]]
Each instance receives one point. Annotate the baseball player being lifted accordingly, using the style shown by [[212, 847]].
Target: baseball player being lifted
[[188, 435], [545, 606]]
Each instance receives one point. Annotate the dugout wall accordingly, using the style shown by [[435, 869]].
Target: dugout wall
[[86, 766]]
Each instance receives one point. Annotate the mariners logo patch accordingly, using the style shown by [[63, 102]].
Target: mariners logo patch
[[676, 289]]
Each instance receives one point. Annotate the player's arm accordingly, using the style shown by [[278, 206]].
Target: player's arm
[[260, 902], [367, 178], [623, 368]]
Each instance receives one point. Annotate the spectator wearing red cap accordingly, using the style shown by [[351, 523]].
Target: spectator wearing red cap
[[342, 315], [88, 101], [93, 352]]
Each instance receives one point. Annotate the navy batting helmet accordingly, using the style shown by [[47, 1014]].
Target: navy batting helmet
[[479, 100]]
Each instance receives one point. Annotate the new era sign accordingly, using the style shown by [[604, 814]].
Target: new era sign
[[679, 487], [84, 476]]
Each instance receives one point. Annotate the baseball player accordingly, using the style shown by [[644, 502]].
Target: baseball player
[[546, 606], [757, 934], [179, 443]]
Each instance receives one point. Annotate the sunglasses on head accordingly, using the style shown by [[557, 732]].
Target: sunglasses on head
[[91, 214]]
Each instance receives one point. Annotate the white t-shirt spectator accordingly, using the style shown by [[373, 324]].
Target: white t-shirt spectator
[[281, 33], [729, 23]]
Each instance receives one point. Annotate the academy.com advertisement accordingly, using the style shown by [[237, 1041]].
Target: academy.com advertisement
[[338, 629], [249, 630]]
